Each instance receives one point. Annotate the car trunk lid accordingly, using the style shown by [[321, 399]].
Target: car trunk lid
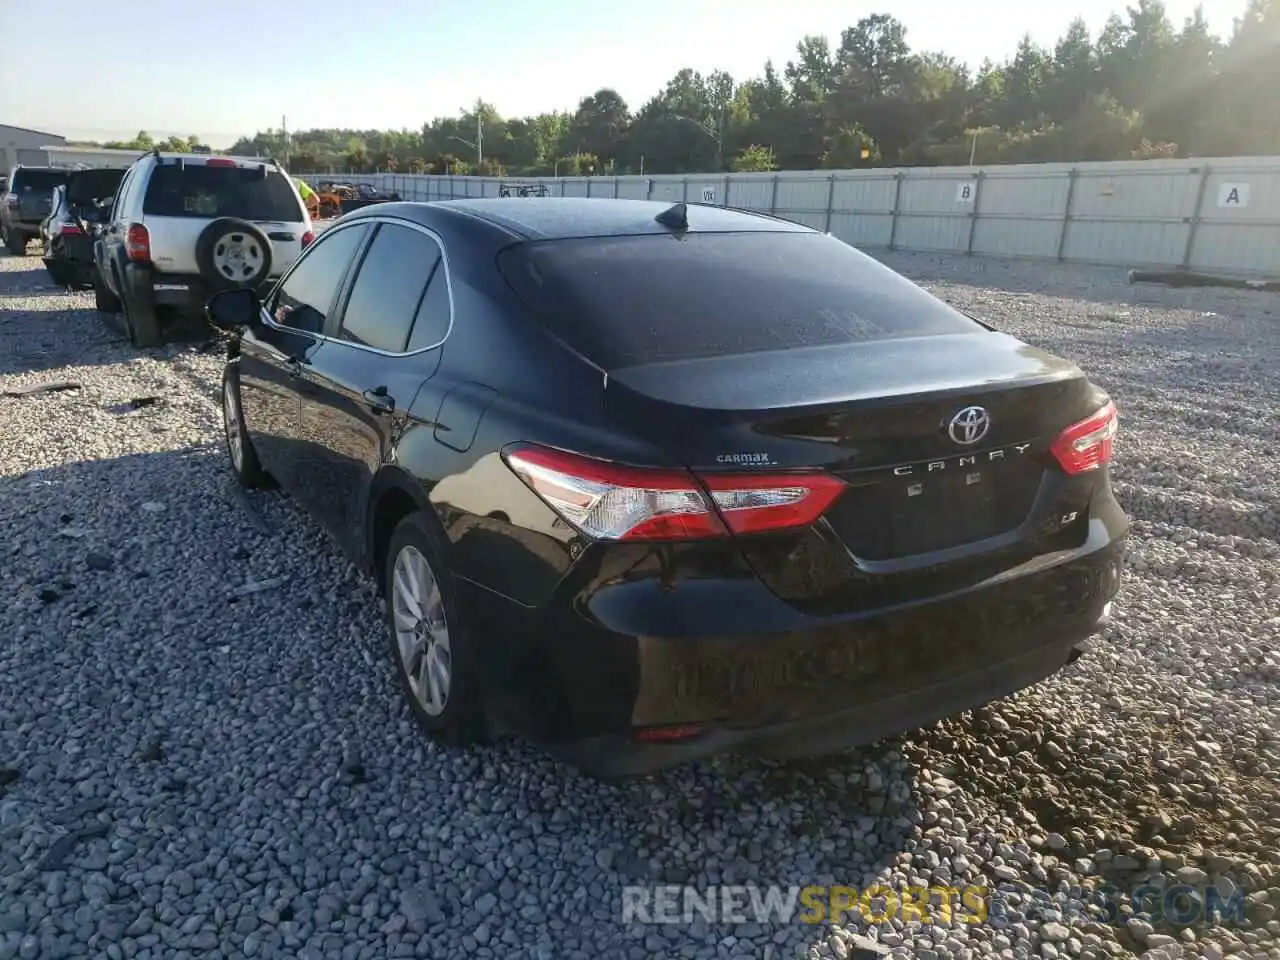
[[887, 417], [85, 187]]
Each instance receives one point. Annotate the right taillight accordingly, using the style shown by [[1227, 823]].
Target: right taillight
[[137, 243], [1087, 445], [608, 501]]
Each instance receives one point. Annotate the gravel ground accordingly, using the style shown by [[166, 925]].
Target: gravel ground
[[189, 768]]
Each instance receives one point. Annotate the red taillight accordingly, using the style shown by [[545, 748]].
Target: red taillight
[[137, 243], [666, 734], [220, 162], [753, 503], [1087, 445], [607, 501], [70, 230], [308, 239]]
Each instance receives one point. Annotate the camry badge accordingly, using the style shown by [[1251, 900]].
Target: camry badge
[[969, 425]]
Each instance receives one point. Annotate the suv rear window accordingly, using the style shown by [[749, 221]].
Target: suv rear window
[[44, 180], [624, 301], [201, 191]]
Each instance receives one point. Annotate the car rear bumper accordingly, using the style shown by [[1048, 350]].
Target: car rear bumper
[[619, 756], [74, 254], [634, 659], [188, 293]]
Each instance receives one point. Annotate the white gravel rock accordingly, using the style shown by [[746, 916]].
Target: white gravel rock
[[188, 769]]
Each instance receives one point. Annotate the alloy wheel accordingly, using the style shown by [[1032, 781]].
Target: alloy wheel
[[422, 630], [231, 421]]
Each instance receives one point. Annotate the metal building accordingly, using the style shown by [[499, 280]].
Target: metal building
[[91, 156], [20, 145]]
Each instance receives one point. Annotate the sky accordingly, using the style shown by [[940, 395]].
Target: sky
[[225, 70]]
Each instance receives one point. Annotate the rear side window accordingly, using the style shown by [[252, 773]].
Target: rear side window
[[431, 325], [389, 287], [38, 180], [196, 190], [624, 301]]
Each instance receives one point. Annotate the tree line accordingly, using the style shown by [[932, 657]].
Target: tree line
[[1143, 87]]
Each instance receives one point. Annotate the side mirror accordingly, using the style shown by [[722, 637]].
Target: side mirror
[[233, 309]]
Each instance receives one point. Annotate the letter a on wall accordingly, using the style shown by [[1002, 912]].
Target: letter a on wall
[[1233, 195]]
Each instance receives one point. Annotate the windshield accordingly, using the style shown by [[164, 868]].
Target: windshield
[[623, 301], [202, 191]]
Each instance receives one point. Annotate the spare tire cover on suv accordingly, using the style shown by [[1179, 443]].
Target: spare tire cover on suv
[[233, 253]]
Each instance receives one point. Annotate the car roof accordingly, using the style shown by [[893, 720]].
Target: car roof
[[564, 218], [202, 159]]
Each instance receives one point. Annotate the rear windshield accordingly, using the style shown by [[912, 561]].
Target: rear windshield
[[623, 301], [42, 180], [200, 191]]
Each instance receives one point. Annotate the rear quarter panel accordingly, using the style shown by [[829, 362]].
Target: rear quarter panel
[[503, 537]]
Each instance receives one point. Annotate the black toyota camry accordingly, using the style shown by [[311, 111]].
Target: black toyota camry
[[647, 483]]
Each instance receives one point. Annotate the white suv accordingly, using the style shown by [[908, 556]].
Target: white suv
[[184, 226]]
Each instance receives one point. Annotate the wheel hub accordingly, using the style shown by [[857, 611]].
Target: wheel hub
[[237, 257]]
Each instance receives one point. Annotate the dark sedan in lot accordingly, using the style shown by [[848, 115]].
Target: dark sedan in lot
[[649, 483]]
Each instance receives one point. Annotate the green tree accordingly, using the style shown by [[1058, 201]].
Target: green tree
[[1140, 88], [753, 159], [851, 147]]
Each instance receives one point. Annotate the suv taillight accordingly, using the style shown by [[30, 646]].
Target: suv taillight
[[308, 239], [69, 230], [1087, 445], [607, 501], [137, 243]]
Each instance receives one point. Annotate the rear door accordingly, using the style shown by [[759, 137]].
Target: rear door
[[359, 386], [273, 358], [182, 200]]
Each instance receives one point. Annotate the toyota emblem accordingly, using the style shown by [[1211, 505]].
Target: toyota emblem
[[969, 425]]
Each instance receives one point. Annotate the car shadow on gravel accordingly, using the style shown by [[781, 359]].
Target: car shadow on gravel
[[188, 672], [51, 340]]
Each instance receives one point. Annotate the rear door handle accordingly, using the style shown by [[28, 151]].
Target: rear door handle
[[378, 399]]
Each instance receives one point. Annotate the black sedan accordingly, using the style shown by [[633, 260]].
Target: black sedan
[[649, 483]]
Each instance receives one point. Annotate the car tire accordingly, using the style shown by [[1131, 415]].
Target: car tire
[[415, 558], [140, 321], [240, 452], [103, 299], [215, 248], [16, 242]]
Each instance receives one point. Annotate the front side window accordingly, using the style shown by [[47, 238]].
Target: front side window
[[303, 301]]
